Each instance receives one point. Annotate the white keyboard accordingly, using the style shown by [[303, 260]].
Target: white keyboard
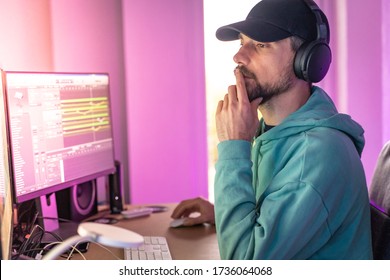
[[154, 248]]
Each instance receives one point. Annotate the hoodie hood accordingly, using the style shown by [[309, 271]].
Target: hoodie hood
[[319, 111]]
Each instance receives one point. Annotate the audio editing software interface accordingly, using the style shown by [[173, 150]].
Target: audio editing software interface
[[60, 126]]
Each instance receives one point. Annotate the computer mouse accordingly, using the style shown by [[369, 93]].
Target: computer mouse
[[177, 222]]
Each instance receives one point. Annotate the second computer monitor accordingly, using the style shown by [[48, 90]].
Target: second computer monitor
[[6, 201]]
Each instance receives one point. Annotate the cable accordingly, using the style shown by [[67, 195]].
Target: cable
[[57, 218], [56, 236], [32, 241], [47, 248], [64, 246], [25, 224], [74, 248], [29, 206]]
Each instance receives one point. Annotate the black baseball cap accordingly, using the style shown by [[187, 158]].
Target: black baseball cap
[[274, 20]]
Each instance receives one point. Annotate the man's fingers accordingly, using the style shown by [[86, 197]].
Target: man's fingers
[[185, 208], [194, 221], [232, 94], [219, 106], [181, 210], [242, 94], [255, 104]]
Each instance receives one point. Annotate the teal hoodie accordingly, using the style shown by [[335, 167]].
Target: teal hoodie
[[297, 192]]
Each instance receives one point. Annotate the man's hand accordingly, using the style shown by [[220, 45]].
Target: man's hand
[[236, 117], [195, 205]]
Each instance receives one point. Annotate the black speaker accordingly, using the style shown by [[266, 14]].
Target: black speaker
[[115, 190], [312, 60], [78, 202]]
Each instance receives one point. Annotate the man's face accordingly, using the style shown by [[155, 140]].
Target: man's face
[[267, 67]]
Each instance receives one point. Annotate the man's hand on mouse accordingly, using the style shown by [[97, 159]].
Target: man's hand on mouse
[[195, 205]]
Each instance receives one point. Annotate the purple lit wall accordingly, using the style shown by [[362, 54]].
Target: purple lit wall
[[25, 35], [385, 70], [359, 74], [154, 53], [158, 102], [364, 80], [87, 37], [164, 60]]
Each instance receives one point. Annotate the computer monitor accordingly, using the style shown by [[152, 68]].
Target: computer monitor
[[60, 131], [6, 204]]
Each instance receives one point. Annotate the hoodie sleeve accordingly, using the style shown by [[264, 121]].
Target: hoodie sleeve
[[280, 228], [234, 197]]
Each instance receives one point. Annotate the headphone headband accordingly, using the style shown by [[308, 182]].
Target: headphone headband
[[313, 58], [321, 26]]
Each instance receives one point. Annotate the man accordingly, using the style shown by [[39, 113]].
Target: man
[[290, 186]]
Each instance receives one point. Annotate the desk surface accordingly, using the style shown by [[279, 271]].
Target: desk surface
[[185, 243]]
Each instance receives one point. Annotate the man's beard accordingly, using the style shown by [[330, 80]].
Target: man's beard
[[266, 90]]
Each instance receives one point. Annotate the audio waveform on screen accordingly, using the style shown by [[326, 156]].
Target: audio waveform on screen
[[85, 115]]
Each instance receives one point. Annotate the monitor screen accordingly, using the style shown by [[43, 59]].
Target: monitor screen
[[60, 130], [6, 205]]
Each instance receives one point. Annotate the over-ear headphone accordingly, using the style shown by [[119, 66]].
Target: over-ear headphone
[[313, 58]]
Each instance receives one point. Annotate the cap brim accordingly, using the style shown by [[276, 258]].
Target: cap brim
[[255, 29]]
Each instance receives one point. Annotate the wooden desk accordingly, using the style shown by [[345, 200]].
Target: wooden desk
[[185, 243]]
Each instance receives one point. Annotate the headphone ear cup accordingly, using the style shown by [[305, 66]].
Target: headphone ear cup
[[299, 60], [312, 61]]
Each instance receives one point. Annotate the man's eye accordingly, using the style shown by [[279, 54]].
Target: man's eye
[[259, 45]]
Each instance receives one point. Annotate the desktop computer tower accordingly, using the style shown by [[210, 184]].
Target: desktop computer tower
[[78, 202]]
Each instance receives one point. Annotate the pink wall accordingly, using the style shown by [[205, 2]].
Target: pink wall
[[364, 79], [355, 79], [153, 51], [366, 96], [158, 105], [386, 70], [25, 35], [159, 118], [87, 37], [166, 99]]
